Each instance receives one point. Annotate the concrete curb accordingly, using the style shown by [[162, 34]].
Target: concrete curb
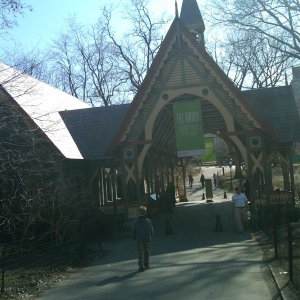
[[281, 278]]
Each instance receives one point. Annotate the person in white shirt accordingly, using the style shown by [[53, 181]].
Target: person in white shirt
[[240, 202]]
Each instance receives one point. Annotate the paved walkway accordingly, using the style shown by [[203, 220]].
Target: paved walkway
[[193, 263]]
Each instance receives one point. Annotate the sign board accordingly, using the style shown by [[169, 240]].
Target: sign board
[[210, 153], [188, 128], [208, 189]]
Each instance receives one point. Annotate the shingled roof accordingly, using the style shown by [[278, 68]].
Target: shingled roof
[[278, 108], [93, 129]]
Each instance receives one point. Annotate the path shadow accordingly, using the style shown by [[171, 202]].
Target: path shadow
[[195, 190], [116, 279], [193, 226]]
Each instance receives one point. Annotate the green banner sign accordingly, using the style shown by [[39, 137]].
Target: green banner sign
[[210, 153], [208, 189], [188, 128]]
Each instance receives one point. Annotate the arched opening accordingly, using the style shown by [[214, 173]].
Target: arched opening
[[162, 166]]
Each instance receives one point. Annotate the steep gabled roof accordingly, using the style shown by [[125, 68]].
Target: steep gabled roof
[[42, 103], [278, 108], [94, 128], [178, 29]]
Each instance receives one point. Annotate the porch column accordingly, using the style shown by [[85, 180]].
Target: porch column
[[291, 167]]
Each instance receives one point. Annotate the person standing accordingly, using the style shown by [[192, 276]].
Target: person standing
[[240, 202], [142, 234], [215, 179], [202, 180], [191, 180]]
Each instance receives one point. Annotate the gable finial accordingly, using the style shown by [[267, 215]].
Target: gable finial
[[191, 17], [177, 26]]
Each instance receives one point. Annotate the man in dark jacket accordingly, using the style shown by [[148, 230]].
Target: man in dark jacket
[[202, 180], [142, 233]]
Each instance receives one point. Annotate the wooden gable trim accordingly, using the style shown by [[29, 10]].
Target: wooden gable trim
[[226, 83], [171, 34]]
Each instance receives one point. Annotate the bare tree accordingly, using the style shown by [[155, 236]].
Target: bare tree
[[9, 9], [36, 194], [276, 20], [24, 172], [37, 197], [251, 62], [33, 63], [140, 44], [95, 65], [85, 64]]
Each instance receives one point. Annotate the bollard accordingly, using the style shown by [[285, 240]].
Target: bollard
[[219, 226], [225, 195], [203, 196], [169, 229]]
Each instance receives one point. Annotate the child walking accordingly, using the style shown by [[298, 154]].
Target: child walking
[[142, 233]]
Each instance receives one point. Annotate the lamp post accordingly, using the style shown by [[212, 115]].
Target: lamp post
[[230, 166]]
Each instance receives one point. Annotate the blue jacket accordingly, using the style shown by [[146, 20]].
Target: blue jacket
[[143, 229]]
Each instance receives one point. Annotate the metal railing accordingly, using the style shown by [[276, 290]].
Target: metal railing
[[279, 219], [286, 238]]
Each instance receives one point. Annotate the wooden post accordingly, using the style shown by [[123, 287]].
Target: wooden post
[[183, 175], [291, 167], [113, 187], [2, 280], [124, 190], [290, 249], [102, 187], [152, 180], [3, 270], [148, 179], [105, 186], [275, 241], [138, 180]]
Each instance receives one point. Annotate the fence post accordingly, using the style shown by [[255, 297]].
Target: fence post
[[275, 241], [290, 249], [2, 269], [2, 280]]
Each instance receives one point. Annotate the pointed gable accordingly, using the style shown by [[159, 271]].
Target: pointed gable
[[182, 63]]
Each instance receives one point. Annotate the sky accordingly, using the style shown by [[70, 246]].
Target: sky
[[36, 29]]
